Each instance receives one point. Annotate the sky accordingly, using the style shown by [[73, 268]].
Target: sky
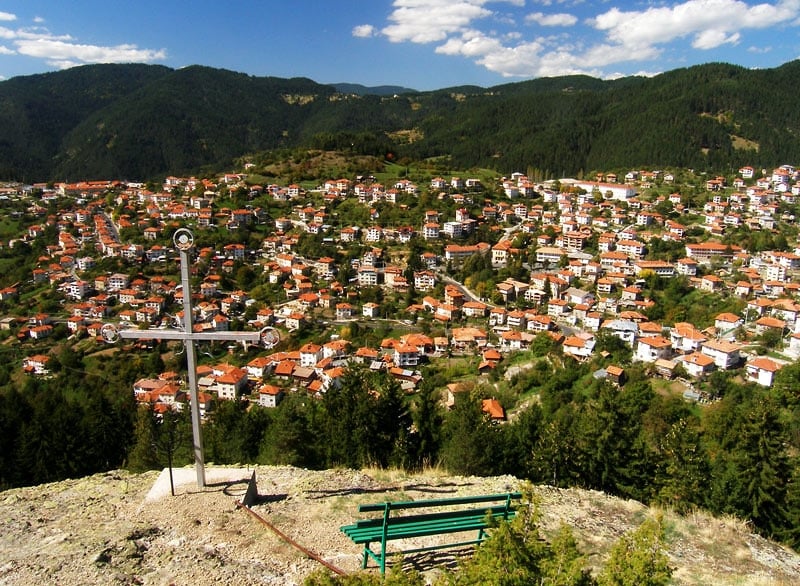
[[418, 44]]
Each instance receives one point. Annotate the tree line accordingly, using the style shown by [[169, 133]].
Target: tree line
[[736, 456]]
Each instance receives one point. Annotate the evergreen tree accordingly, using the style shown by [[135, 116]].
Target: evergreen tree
[[638, 558], [427, 423], [565, 566], [143, 454], [763, 468], [790, 533], [365, 421], [512, 556], [470, 444], [555, 457], [288, 439], [686, 468], [391, 444], [521, 437], [612, 457]]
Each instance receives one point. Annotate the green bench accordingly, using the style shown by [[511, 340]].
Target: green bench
[[436, 516]]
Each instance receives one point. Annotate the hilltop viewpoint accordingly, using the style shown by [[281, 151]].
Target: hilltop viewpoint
[[122, 528]]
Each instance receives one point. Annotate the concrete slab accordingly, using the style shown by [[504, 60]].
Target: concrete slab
[[231, 481]]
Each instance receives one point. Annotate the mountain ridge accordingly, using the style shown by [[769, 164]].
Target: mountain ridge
[[145, 121]]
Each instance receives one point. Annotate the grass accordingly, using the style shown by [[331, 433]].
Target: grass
[[9, 227]]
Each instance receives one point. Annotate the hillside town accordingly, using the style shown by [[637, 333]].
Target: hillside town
[[574, 261]]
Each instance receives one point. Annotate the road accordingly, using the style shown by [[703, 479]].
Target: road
[[471, 294]]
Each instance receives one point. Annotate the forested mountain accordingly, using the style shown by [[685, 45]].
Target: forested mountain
[[379, 90], [141, 121]]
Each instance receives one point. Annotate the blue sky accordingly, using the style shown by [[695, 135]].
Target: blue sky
[[421, 44]]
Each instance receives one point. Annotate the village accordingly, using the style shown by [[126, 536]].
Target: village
[[581, 251]]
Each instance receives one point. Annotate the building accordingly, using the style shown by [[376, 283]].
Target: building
[[762, 371], [652, 348]]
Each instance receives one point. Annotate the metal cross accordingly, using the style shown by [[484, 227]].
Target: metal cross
[[184, 241]]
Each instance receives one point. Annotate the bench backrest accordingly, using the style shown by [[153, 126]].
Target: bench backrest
[[386, 507]]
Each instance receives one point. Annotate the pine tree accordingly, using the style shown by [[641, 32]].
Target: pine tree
[[638, 558], [512, 556], [143, 454], [763, 468], [470, 443], [565, 566], [427, 423], [686, 468]]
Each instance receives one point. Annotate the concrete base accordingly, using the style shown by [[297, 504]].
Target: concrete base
[[237, 482]]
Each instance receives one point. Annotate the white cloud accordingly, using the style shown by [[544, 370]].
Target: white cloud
[[426, 21], [63, 54], [62, 63], [364, 31], [714, 38], [481, 31], [471, 44], [38, 19], [63, 51], [561, 19], [7, 16], [710, 22]]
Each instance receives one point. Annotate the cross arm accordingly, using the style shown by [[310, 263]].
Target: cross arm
[[253, 337]]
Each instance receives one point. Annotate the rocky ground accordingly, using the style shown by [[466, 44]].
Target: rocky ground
[[104, 530]]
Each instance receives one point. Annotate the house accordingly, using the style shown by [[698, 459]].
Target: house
[[370, 309], [762, 371], [270, 396], [578, 296], [310, 354], [652, 348], [726, 323], [424, 280], [344, 311], [405, 355], [257, 367], [497, 316], [725, 354], [697, 364], [367, 276], [474, 309], [539, 323], [686, 267], [515, 340], [294, 321], [579, 346], [711, 283], [493, 409], [686, 338], [229, 381], [365, 355], [625, 330], [766, 323], [37, 364]]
